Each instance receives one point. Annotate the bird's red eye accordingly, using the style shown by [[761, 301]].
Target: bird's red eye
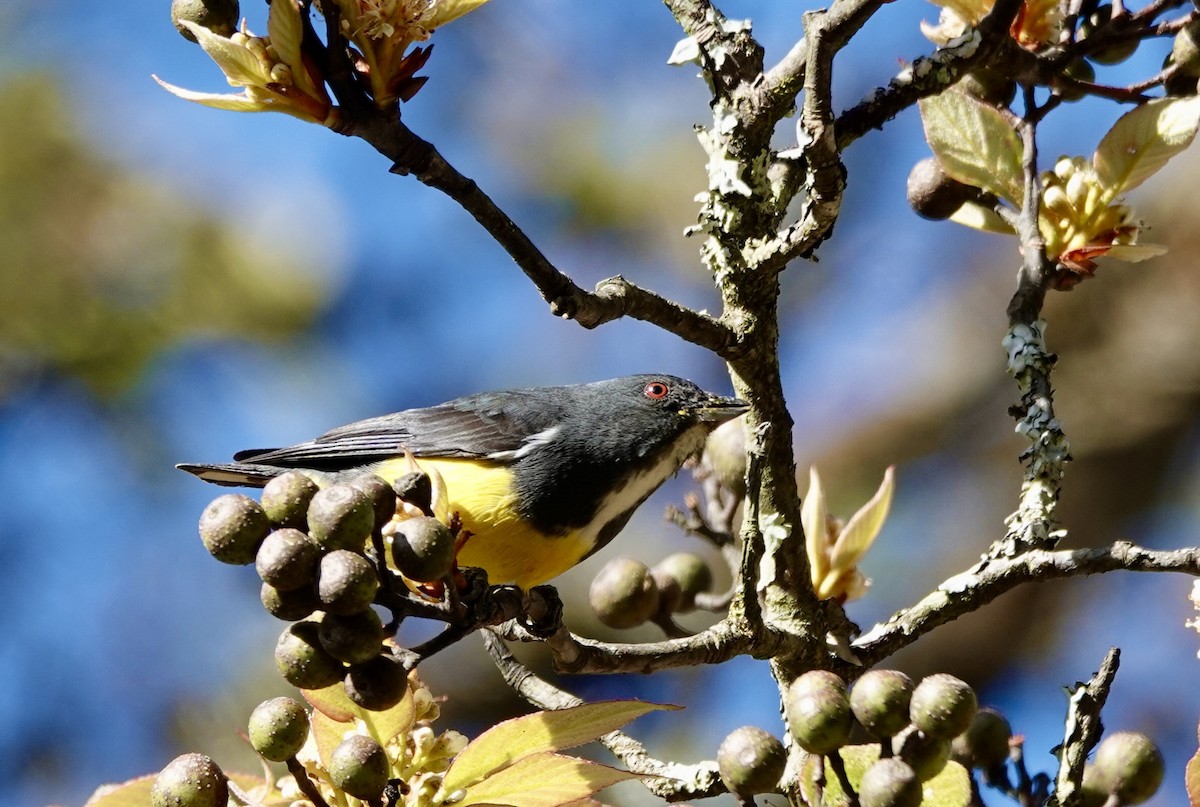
[[656, 390]]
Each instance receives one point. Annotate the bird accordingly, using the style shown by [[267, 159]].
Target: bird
[[540, 478]]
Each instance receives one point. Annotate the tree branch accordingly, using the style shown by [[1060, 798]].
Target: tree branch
[[612, 299], [976, 587], [1083, 729]]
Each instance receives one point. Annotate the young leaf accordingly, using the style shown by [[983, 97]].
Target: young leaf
[[950, 788], [544, 780], [1142, 140], [974, 143], [1191, 779], [978, 217], [332, 703], [506, 743], [860, 531]]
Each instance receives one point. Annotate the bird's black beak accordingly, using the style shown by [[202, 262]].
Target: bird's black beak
[[718, 410]]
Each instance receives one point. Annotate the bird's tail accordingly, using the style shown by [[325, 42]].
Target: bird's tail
[[233, 474]]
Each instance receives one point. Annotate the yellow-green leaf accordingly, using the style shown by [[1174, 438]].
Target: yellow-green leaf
[[1142, 140], [239, 65], [236, 102], [445, 11], [860, 531], [813, 519], [512, 740], [950, 788], [285, 29], [1135, 253], [332, 703], [974, 143], [978, 217], [1191, 780], [544, 780], [328, 734]]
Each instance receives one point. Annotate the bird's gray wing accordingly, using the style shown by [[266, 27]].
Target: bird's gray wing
[[493, 425]]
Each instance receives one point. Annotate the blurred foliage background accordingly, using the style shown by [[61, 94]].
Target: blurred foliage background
[[177, 283]]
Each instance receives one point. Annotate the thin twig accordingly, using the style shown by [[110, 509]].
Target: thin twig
[[1083, 727], [970, 590]]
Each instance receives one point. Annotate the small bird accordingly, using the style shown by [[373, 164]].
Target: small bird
[[541, 477]]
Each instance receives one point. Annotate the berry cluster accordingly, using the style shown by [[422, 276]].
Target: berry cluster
[[918, 730], [396, 755], [627, 593], [323, 556]]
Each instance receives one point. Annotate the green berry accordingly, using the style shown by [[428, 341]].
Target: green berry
[[880, 701], [381, 494], [989, 85], [933, 194], [289, 605], [415, 488], [889, 783], [1185, 50], [926, 755], [352, 638], [303, 661], [278, 729], [818, 711], [191, 780], [984, 744], [359, 767], [232, 527], [686, 573], [623, 594], [286, 498], [942, 706], [341, 517], [347, 582], [1080, 70], [423, 549], [218, 16], [287, 559], [751, 761], [377, 684], [1129, 765]]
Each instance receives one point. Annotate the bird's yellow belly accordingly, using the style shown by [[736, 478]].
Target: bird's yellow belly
[[501, 542]]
